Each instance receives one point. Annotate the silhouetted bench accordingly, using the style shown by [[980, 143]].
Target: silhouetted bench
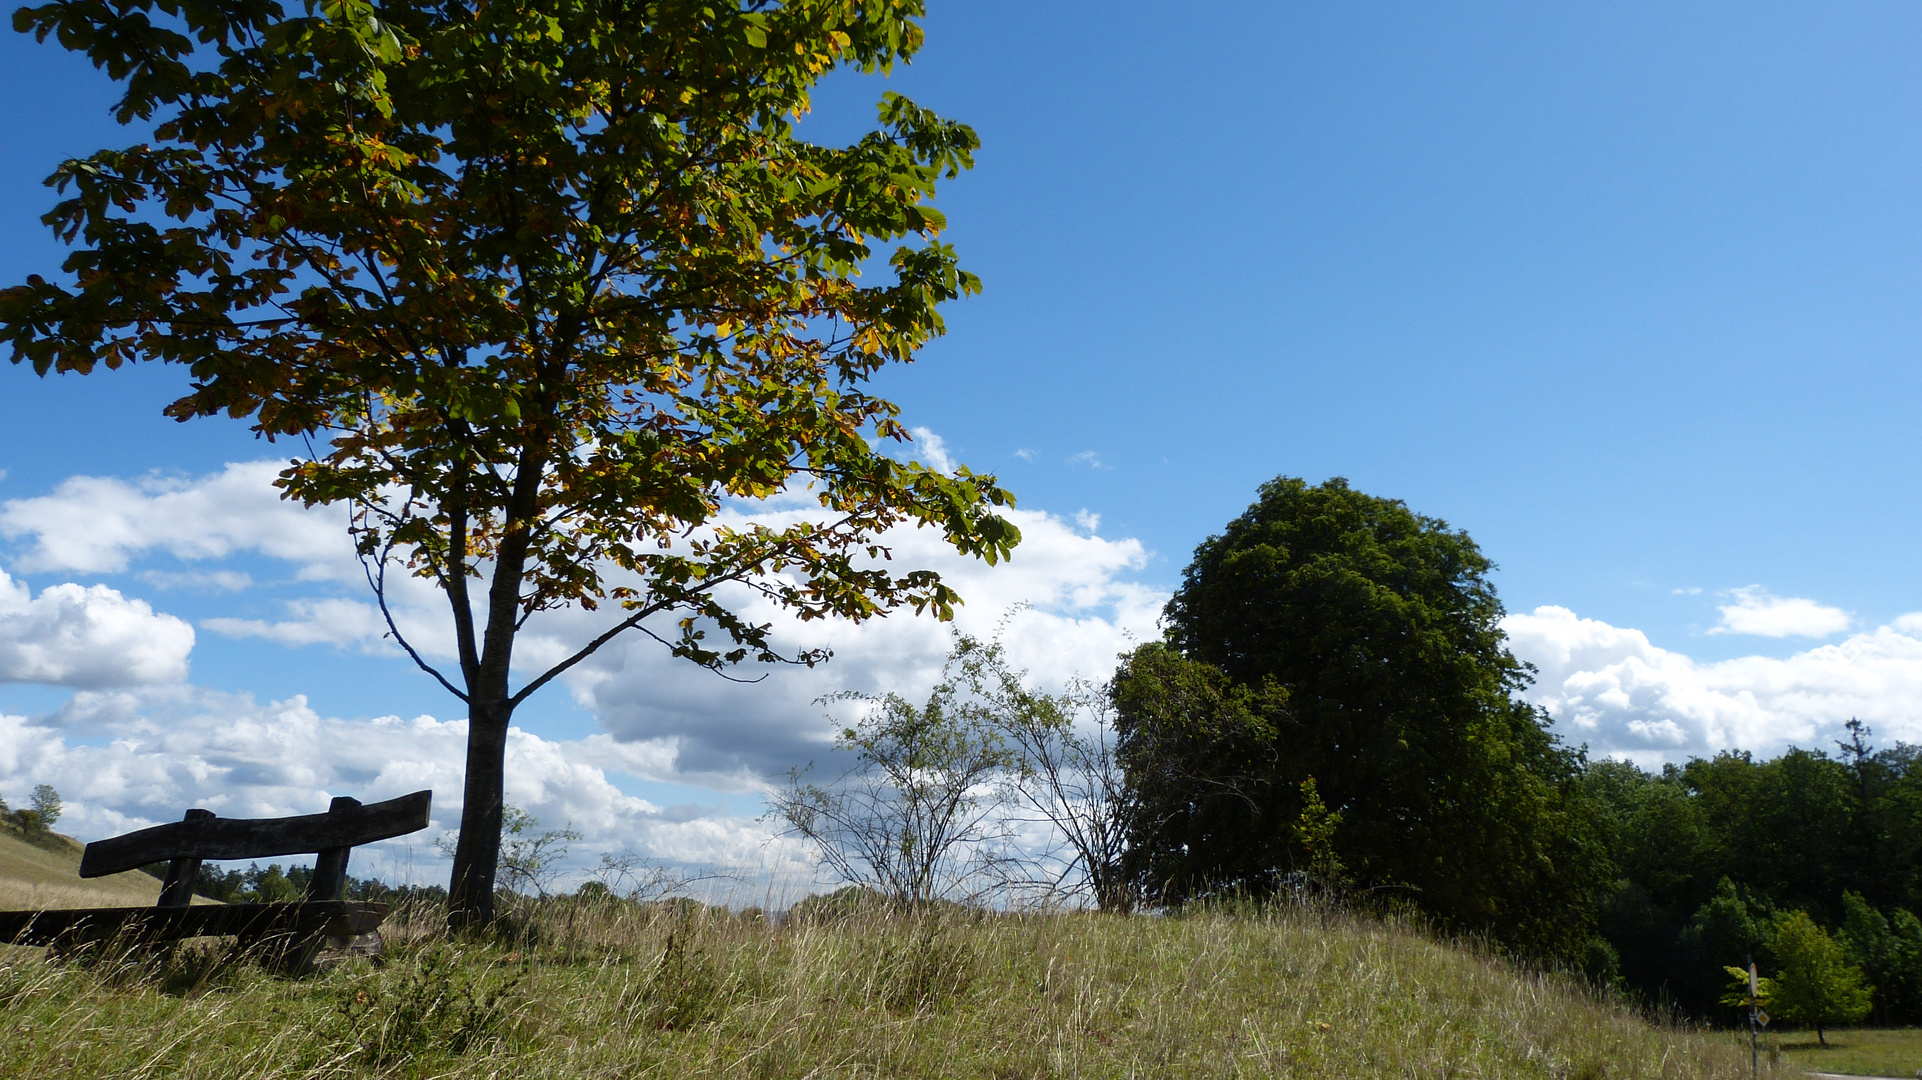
[[297, 927]]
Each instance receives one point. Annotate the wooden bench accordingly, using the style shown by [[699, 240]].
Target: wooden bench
[[295, 928]]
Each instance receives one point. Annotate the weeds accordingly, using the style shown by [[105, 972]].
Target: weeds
[[927, 967], [435, 1005]]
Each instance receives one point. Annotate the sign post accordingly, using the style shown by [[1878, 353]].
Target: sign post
[[1755, 1019]]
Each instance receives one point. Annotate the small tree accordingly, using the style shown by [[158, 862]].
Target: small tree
[[1064, 770], [914, 816], [1315, 831], [1815, 983], [46, 803]]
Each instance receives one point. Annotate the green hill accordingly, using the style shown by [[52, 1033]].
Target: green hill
[[600, 988], [46, 874]]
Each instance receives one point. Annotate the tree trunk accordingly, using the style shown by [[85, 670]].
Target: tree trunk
[[470, 896]]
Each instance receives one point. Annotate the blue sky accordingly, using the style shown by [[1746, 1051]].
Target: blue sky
[[1628, 291]]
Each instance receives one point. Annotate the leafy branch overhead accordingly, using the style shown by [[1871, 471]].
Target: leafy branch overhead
[[555, 283]]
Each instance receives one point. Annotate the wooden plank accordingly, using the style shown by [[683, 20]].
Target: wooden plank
[[330, 864], [310, 919], [177, 890], [257, 838]]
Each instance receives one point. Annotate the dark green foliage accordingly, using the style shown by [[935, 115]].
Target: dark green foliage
[[1727, 931], [1356, 642], [1888, 949], [1709, 851], [1196, 749]]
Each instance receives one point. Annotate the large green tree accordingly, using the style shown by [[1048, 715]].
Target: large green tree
[[545, 286], [1383, 629]]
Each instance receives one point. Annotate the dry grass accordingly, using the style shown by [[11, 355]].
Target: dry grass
[[617, 990], [32, 876]]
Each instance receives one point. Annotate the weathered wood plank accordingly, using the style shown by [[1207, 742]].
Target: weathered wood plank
[[257, 838], [335, 918]]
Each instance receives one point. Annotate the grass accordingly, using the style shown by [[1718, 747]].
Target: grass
[[44, 873], [610, 989], [1855, 1051]]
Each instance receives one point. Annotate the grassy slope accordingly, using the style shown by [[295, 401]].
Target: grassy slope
[[32, 876], [631, 992], [1856, 1051]]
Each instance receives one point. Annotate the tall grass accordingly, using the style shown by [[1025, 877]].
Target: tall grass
[[610, 989]]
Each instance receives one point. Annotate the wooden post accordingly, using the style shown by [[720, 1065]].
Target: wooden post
[[178, 890], [330, 864]]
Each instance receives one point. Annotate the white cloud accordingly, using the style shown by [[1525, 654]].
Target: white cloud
[[1085, 611], [1613, 689], [1087, 457], [1025, 454], [934, 450], [1754, 611], [94, 524], [331, 622], [94, 637], [199, 580], [170, 749], [1088, 521], [1081, 611]]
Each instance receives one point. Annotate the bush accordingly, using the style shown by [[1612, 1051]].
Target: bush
[[433, 1006]]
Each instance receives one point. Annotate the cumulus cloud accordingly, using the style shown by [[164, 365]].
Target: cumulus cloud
[[1752, 610], [94, 637], [96, 524], [1612, 688], [1064, 604], [157, 752], [933, 450]]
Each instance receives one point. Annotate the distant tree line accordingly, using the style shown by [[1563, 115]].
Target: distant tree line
[[1710, 858]]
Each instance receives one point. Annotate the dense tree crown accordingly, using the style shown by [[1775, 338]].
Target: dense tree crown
[[1355, 642], [548, 284]]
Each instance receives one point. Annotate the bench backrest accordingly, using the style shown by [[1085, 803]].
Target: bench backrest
[[200, 835]]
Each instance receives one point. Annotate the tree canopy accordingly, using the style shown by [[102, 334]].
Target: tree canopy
[[545, 288], [1382, 628]]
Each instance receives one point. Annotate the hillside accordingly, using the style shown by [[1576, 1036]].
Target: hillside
[[597, 988], [33, 876]]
